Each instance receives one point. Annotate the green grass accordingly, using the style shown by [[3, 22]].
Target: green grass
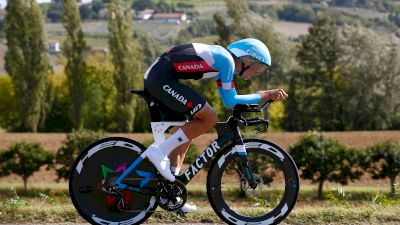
[[198, 191], [41, 211], [49, 203]]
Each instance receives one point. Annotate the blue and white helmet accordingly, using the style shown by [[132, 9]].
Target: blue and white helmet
[[251, 47]]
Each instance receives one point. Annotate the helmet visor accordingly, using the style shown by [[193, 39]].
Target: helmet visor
[[256, 65]]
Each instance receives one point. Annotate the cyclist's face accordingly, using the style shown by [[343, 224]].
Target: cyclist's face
[[254, 67]]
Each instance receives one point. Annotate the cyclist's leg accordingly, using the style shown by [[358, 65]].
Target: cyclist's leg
[[177, 156], [183, 100], [204, 120]]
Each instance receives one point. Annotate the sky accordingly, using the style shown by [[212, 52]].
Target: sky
[[3, 3]]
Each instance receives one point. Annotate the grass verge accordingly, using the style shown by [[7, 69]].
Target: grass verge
[[198, 191], [50, 203], [40, 211]]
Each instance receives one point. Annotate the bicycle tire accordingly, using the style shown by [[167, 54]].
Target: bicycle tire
[[231, 214], [102, 162]]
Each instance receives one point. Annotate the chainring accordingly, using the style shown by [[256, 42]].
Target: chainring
[[171, 196]]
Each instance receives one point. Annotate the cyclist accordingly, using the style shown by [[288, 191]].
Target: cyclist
[[247, 58]]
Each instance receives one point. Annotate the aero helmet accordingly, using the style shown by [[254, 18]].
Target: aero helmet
[[251, 47]]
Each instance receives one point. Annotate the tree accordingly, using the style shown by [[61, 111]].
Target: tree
[[73, 50], [23, 159], [126, 60], [163, 6], [238, 11], [294, 12], [75, 143], [54, 13], [319, 82], [223, 31], [382, 161], [97, 6], [321, 159], [143, 4], [370, 71], [59, 120], [26, 60], [85, 12], [8, 106], [100, 93], [149, 47]]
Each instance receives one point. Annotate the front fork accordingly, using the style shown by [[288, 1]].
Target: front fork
[[245, 165], [242, 154]]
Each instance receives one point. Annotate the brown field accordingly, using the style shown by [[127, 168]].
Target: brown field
[[53, 141]]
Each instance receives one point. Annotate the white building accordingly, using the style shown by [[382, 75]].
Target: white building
[[175, 18], [83, 2], [54, 47], [144, 14]]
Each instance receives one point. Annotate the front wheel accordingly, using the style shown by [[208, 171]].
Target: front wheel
[[277, 180]]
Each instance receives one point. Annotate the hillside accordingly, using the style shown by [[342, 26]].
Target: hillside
[[289, 17]]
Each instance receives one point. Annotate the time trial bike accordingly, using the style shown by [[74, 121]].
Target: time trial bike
[[249, 181]]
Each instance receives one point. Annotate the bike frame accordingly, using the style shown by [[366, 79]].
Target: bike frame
[[228, 132]]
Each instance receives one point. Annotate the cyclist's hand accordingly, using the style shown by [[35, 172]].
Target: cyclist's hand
[[275, 94]]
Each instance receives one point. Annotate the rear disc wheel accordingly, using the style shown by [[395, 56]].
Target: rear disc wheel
[[92, 188]]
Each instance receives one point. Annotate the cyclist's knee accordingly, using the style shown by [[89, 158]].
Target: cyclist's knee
[[213, 119], [208, 115]]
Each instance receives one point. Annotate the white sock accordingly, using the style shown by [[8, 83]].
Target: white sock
[[175, 140], [175, 170]]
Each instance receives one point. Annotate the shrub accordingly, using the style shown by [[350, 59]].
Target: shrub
[[75, 143], [321, 159], [24, 159], [382, 160]]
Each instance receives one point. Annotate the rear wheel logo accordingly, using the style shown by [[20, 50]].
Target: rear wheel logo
[[86, 189]]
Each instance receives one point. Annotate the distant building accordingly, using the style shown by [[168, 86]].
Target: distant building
[[83, 2], [144, 14], [104, 51], [175, 18], [54, 47]]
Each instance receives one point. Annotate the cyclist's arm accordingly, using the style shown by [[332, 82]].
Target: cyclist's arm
[[230, 98], [226, 88]]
